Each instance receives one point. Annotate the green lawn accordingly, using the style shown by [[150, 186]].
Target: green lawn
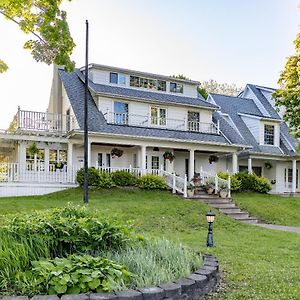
[[271, 208], [257, 263]]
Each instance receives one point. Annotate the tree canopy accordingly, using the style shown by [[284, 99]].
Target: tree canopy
[[51, 41], [289, 93]]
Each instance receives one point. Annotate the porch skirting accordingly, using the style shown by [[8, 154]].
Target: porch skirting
[[13, 189]]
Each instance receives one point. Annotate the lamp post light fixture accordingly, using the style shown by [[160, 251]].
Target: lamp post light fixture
[[210, 217]]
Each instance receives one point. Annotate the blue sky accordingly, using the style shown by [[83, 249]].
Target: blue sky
[[234, 41]]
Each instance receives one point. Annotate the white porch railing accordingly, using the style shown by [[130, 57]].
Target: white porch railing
[[218, 182], [176, 183], [43, 121], [163, 123], [37, 173]]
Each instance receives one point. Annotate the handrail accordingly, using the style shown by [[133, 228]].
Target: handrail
[[163, 123]]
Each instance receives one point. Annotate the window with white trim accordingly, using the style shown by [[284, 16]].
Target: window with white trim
[[269, 134], [176, 87], [158, 116], [155, 163], [117, 78]]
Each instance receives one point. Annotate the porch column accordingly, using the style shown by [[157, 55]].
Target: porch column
[[89, 154], [191, 164], [250, 165], [294, 175], [70, 155], [143, 157], [46, 159], [234, 163]]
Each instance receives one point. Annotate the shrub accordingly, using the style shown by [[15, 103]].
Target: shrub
[[93, 177], [123, 178], [235, 183], [247, 181], [105, 180], [73, 275], [156, 262], [71, 230], [152, 182], [262, 185]]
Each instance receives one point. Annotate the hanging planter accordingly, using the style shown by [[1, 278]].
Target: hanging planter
[[115, 152], [268, 165], [213, 158], [169, 155], [33, 149]]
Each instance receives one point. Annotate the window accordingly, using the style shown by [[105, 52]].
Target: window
[[155, 163], [117, 78], [288, 176], [57, 156], [148, 83], [122, 79], [269, 135], [193, 121], [121, 113], [158, 116], [176, 87], [161, 85], [113, 78]]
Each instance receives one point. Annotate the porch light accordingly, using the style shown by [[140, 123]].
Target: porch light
[[210, 217]]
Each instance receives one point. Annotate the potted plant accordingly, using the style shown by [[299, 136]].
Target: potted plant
[[213, 158], [169, 156], [115, 152], [33, 149], [190, 190], [210, 186], [196, 180], [268, 165], [59, 165], [223, 192]]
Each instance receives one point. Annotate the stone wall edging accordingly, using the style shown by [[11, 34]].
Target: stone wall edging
[[195, 286]]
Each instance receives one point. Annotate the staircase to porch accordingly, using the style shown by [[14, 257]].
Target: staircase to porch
[[225, 206]]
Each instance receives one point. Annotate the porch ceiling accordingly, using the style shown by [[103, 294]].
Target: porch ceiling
[[112, 145]]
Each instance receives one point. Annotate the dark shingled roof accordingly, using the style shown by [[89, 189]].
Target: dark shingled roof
[[141, 95], [97, 123], [233, 106]]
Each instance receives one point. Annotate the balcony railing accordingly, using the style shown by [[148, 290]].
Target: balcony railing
[[164, 123], [42, 121]]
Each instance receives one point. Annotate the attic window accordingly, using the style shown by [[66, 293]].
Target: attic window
[[176, 87], [269, 134]]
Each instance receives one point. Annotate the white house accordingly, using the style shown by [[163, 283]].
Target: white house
[[145, 115]]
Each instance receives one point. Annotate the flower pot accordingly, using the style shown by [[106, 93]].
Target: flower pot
[[190, 193], [223, 193], [209, 190]]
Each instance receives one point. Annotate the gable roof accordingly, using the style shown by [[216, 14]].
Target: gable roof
[[75, 90], [234, 106], [141, 95]]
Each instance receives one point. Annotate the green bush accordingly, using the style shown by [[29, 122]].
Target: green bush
[[105, 180], [235, 183], [247, 181], [71, 230], [73, 275], [262, 185], [156, 262], [152, 182], [123, 178], [93, 177]]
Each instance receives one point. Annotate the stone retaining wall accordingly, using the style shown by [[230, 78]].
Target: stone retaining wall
[[194, 286]]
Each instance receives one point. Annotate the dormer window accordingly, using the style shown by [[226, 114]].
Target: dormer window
[[269, 134], [176, 87], [117, 78], [148, 83]]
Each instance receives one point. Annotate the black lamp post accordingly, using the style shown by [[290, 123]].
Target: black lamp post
[[210, 217]]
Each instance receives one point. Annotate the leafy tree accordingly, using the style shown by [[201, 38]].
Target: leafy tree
[[52, 42], [212, 86], [289, 93]]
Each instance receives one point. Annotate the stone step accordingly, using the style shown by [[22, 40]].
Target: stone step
[[227, 211], [249, 220], [222, 205], [217, 201], [238, 215]]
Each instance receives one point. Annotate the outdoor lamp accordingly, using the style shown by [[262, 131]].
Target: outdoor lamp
[[210, 217]]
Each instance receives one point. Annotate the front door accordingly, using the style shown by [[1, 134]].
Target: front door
[[104, 160]]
